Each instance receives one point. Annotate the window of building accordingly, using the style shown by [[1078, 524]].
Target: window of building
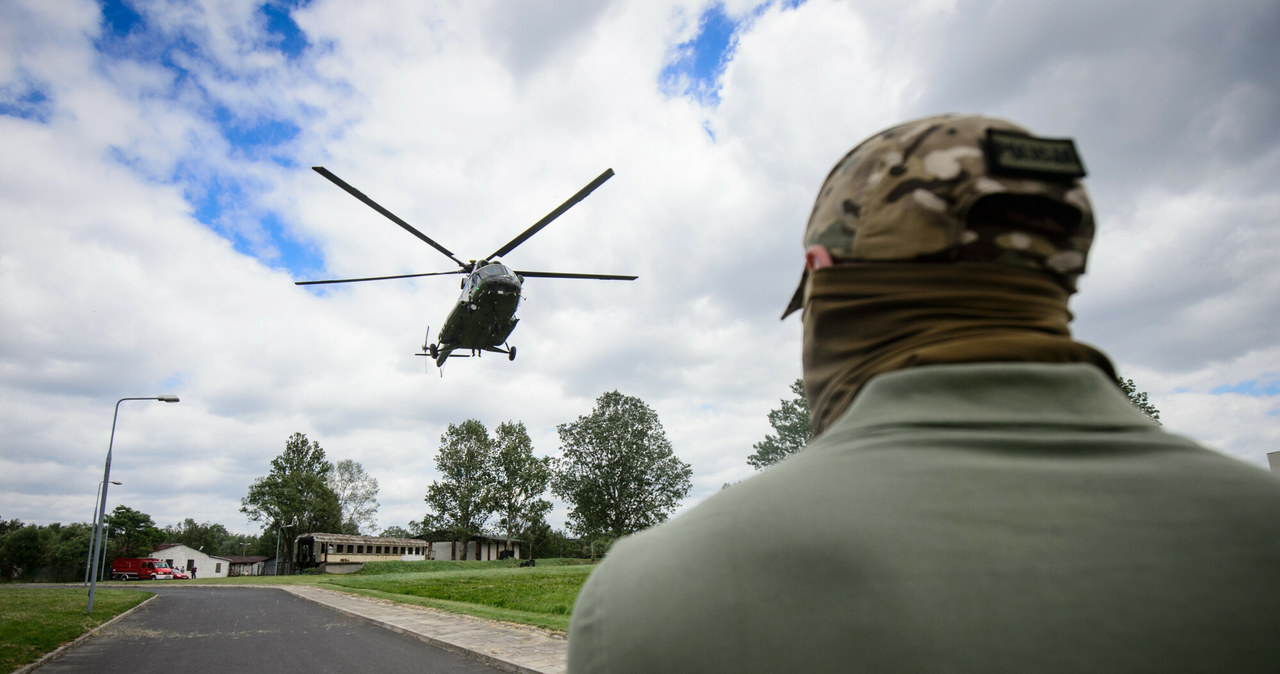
[[217, 568]]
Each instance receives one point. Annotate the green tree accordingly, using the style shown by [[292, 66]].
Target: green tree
[[396, 531], [357, 493], [791, 430], [132, 533], [547, 542], [297, 487], [617, 470], [22, 551], [211, 538], [519, 479], [1139, 399], [70, 548], [461, 502]]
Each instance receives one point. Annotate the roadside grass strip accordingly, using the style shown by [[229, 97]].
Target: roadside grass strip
[[542, 596], [36, 621]]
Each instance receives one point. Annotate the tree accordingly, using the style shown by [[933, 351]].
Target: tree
[[519, 479], [208, 537], [357, 493], [791, 424], [296, 487], [22, 551], [396, 531], [547, 542], [70, 547], [1139, 399], [617, 469], [132, 532], [462, 500]]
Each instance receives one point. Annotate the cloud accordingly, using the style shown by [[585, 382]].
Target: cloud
[[163, 204]]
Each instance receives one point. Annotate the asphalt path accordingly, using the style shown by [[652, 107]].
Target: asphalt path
[[216, 630]]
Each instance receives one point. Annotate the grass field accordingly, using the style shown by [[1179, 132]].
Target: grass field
[[35, 621]]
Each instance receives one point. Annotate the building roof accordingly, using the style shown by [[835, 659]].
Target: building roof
[[360, 540], [237, 559]]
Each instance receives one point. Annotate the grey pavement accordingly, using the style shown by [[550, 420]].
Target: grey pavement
[[505, 646], [515, 648]]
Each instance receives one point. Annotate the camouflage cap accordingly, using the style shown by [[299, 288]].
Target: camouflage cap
[[908, 194]]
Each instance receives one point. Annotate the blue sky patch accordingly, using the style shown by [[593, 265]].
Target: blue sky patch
[[1255, 387], [701, 61], [253, 136], [118, 18], [286, 34], [27, 101], [299, 259]]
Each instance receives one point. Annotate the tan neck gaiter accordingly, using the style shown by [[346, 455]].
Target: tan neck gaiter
[[861, 320]]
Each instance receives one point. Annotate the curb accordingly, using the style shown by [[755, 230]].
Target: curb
[[57, 652]]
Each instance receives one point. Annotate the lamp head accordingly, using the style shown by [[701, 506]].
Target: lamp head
[[167, 399]]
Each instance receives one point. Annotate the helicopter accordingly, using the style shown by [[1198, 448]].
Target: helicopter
[[485, 314]]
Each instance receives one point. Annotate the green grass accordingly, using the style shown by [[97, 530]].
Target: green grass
[[542, 596], [36, 621]]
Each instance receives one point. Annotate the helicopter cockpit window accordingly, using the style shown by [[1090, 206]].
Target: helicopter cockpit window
[[475, 278]]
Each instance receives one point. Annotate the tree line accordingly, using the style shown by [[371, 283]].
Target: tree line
[[60, 552], [617, 471]]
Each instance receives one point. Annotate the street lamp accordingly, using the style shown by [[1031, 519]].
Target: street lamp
[[293, 523], [88, 562], [106, 479]]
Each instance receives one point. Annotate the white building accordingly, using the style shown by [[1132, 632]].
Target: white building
[[194, 562]]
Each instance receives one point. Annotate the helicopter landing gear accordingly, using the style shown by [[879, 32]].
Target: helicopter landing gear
[[511, 353]]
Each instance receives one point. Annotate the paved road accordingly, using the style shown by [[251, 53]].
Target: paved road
[[209, 630]]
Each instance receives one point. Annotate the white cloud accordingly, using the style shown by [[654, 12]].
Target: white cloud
[[473, 120]]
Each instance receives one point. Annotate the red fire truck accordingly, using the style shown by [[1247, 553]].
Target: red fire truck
[[140, 568]]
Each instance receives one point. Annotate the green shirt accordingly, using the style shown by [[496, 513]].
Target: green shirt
[[959, 518]]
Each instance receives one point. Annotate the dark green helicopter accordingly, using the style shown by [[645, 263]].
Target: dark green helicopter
[[485, 314]]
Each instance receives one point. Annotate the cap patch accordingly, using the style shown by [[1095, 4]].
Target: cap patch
[[1015, 154]]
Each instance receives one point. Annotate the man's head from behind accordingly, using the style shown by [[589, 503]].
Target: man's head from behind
[[946, 239]]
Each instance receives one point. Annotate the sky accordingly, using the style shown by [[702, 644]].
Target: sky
[[157, 203]]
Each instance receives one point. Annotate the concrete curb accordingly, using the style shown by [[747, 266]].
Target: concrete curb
[[57, 652]]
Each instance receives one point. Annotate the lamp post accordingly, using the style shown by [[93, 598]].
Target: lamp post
[[293, 523], [88, 562], [106, 480]]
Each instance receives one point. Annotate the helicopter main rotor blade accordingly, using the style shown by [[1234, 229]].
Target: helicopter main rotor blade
[[388, 214], [374, 278], [546, 220], [554, 274]]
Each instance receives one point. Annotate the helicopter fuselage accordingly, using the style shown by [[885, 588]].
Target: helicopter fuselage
[[485, 314]]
